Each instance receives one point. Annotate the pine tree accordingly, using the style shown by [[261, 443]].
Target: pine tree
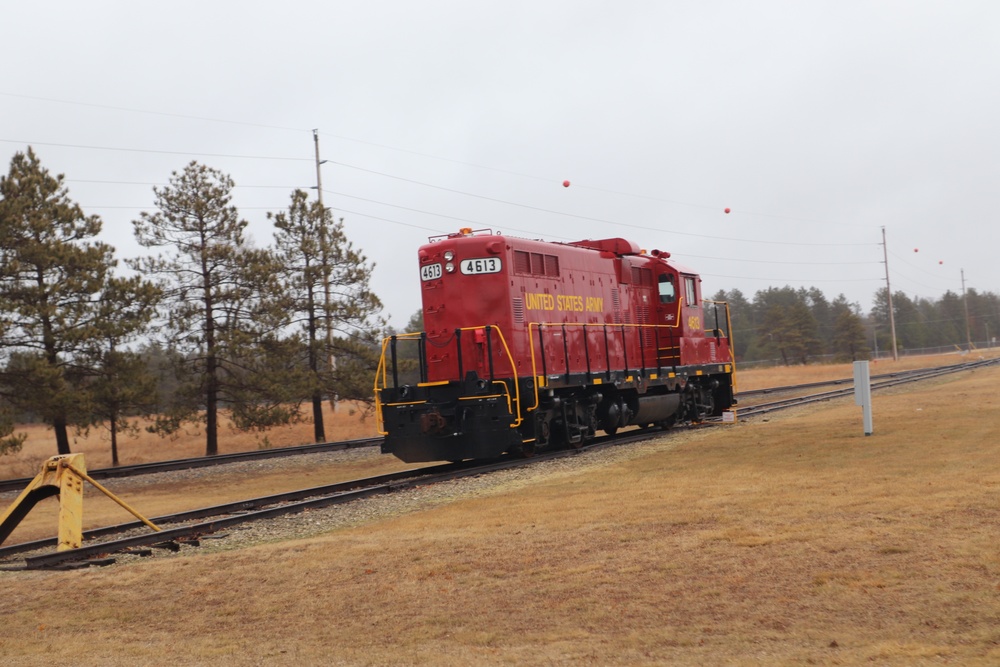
[[122, 384], [848, 340], [52, 275], [787, 324], [332, 301], [225, 305]]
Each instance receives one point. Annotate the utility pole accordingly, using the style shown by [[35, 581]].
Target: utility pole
[[331, 360], [965, 302], [888, 293]]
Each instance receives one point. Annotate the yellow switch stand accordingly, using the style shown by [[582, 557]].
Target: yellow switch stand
[[63, 475]]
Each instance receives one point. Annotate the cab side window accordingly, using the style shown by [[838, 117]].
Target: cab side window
[[690, 293], [667, 291]]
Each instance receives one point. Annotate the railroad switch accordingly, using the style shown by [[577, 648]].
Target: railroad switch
[[63, 475]]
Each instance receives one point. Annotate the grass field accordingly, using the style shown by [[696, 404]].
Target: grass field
[[791, 541], [348, 421]]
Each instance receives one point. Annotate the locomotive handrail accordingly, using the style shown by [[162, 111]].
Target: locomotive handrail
[[584, 325], [729, 335], [513, 369], [381, 376], [381, 373]]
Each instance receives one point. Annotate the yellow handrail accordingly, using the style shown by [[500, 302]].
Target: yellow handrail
[[381, 379], [534, 365], [729, 336], [380, 375]]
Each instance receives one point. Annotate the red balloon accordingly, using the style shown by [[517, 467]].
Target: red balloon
[[565, 184], [916, 250], [727, 210], [941, 262]]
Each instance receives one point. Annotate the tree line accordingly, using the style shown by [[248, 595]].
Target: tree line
[[796, 326], [206, 321]]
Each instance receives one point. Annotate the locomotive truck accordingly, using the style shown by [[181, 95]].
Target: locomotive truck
[[529, 344]]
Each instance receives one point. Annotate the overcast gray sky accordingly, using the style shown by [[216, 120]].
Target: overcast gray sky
[[817, 123]]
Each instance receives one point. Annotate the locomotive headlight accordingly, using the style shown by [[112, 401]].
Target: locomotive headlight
[[448, 255], [449, 267]]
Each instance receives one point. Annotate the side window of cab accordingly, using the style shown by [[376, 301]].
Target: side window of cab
[[668, 292], [690, 291]]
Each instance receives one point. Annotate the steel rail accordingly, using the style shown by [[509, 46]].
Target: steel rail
[[279, 452], [267, 508], [229, 508], [341, 492], [823, 383], [207, 461], [892, 380]]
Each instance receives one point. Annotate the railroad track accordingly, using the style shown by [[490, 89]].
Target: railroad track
[[224, 516], [914, 373], [206, 461], [878, 382], [231, 514], [278, 452]]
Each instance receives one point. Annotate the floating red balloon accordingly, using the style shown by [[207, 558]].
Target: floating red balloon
[[565, 184], [941, 262], [916, 250], [727, 210]]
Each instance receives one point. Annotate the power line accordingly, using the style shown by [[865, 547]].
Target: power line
[[405, 151], [442, 188], [150, 183], [151, 113], [793, 280], [770, 261], [153, 151], [583, 217]]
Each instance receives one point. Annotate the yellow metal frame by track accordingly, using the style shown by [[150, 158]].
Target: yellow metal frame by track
[[62, 475]]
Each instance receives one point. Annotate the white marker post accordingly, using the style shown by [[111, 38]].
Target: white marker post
[[863, 392]]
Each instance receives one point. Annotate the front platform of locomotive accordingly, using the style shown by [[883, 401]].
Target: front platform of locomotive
[[451, 392]]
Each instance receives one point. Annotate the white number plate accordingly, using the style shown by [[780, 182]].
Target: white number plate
[[471, 267], [430, 272]]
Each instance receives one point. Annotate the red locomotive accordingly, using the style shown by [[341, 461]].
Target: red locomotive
[[530, 344]]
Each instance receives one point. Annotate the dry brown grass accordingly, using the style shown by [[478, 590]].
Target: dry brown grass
[[792, 541], [778, 376], [348, 421], [352, 421], [209, 487]]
